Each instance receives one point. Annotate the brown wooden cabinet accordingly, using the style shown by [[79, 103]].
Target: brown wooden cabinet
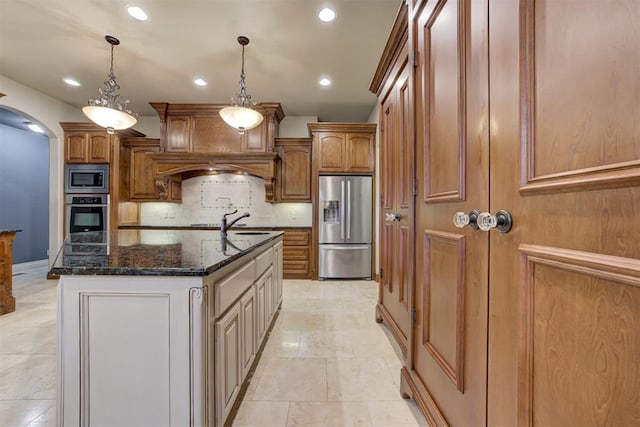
[[178, 134], [87, 147], [296, 253], [343, 147], [198, 128], [338, 148], [140, 182], [532, 325], [294, 170], [7, 300], [396, 181], [90, 143]]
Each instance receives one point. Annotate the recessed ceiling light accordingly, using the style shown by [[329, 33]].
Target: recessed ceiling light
[[137, 13], [200, 82], [324, 82], [327, 15], [71, 82], [35, 128]]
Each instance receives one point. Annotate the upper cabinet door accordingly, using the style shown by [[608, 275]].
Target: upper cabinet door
[[359, 152], [99, 147], [178, 134], [343, 147], [88, 147], [142, 180], [294, 171], [76, 148], [331, 151]]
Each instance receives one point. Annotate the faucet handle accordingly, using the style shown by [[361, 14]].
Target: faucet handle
[[231, 213]]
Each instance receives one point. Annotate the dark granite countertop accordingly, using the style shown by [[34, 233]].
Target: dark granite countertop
[[9, 230], [140, 252], [207, 227]]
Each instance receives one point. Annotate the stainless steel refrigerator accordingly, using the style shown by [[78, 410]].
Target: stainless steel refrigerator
[[344, 227]]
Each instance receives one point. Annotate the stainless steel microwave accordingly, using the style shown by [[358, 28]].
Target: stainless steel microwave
[[86, 179]]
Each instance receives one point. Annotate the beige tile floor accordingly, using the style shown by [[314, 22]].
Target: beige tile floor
[[326, 363]]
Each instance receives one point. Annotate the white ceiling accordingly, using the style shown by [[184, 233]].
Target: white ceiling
[[43, 41]]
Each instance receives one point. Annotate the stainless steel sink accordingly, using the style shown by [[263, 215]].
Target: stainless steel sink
[[214, 225], [252, 233]]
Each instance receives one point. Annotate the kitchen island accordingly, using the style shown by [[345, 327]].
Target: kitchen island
[[7, 300], [161, 327]]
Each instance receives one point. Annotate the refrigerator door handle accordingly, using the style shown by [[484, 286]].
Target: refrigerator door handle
[[344, 248], [349, 210], [342, 209]]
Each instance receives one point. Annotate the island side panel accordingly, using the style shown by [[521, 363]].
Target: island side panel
[[124, 350]]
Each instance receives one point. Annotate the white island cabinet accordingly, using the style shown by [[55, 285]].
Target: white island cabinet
[[163, 328]]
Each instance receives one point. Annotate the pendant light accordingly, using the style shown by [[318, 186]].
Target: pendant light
[[111, 110], [240, 115]]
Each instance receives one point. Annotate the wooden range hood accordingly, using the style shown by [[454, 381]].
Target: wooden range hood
[[262, 165], [195, 140]]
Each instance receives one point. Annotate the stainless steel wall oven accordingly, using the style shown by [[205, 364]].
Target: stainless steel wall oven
[[86, 213]]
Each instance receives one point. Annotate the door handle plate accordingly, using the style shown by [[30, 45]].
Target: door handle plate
[[501, 221]]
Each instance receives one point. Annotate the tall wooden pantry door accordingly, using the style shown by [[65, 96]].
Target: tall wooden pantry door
[[396, 198], [564, 325], [452, 164], [538, 115]]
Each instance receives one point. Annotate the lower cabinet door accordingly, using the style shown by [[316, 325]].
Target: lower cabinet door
[[248, 322], [269, 296], [265, 296], [260, 312], [228, 362]]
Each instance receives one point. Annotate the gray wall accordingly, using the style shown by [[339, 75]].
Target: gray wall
[[24, 191]]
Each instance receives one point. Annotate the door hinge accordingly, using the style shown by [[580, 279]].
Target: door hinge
[[415, 186], [414, 316], [381, 273], [415, 59]]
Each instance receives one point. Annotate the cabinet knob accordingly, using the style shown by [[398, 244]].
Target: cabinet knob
[[501, 221], [460, 219], [390, 217]]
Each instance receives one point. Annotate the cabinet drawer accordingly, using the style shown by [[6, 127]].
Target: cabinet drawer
[[232, 286], [264, 261], [295, 267], [296, 238], [295, 252]]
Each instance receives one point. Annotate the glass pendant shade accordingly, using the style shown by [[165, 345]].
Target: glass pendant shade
[[111, 110], [240, 115], [109, 118], [241, 118]]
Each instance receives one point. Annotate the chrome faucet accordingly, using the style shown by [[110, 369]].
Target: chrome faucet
[[224, 227]]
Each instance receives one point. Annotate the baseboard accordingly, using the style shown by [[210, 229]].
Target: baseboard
[[24, 267]]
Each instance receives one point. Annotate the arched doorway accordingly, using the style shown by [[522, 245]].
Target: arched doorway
[[24, 184]]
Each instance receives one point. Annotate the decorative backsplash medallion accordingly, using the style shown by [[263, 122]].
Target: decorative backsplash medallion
[[226, 194]]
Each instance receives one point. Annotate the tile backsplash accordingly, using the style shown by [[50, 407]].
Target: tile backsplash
[[206, 198]]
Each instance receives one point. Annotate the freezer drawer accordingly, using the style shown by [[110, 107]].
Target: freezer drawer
[[344, 262]]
